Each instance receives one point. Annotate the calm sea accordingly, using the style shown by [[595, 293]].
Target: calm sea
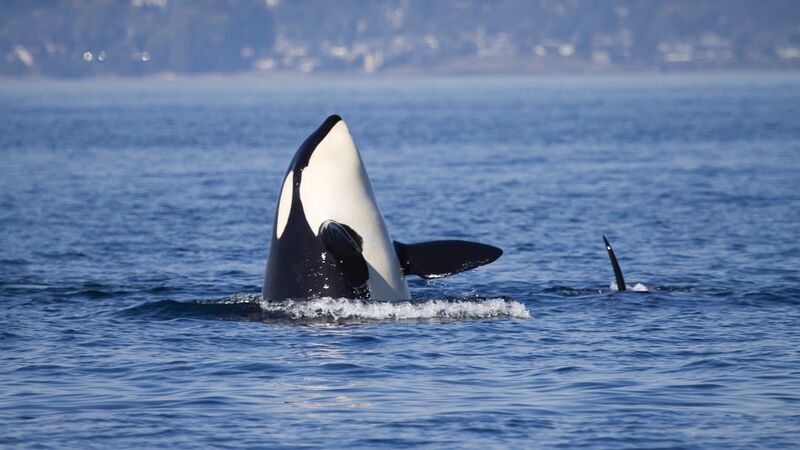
[[135, 219]]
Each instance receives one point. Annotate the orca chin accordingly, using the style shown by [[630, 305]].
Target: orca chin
[[329, 238]]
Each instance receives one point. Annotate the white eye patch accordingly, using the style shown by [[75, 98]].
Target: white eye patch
[[285, 204]]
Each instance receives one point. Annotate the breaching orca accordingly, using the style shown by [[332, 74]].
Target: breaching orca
[[329, 238]]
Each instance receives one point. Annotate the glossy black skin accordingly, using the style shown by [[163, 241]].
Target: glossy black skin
[[617, 271], [436, 259], [296, 268]]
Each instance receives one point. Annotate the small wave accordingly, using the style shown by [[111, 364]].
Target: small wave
[[776, 295], [251, 307], [568, 291], [199, 309], [638, 287], [347, 309]]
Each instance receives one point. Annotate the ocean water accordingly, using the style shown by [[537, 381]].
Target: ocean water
[[135, 219]]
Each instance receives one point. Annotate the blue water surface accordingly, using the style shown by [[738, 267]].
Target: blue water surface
[[135, 219]]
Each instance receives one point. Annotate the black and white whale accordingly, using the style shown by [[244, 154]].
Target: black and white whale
[[329, 238]]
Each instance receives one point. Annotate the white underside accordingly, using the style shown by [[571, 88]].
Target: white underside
[[335, 186]]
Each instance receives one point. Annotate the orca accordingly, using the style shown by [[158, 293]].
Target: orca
[[615, 266], [329, 238]]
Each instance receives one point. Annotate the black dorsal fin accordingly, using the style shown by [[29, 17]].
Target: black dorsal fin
[[615, 265]]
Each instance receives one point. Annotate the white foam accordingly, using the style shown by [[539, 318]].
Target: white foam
[[342, 308], [639, 287]]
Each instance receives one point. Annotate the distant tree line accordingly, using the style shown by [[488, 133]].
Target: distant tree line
[[76, 38]]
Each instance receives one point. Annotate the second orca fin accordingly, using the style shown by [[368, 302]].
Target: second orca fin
[[615, 265], [344, 245], [438, 259]]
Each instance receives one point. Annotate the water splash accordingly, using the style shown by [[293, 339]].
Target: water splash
[[638, 287], [348, 309], [252, 307]]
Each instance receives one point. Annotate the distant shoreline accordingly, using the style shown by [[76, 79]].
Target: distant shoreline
[[406, 74]]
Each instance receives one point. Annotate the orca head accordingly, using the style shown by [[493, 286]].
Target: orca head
[[326, 180], [307, 148]]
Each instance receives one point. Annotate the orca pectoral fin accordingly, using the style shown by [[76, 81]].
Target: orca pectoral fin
[[615, 265], [343, 244], [437, 259]]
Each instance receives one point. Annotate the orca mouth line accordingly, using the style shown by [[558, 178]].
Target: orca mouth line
[[252, 307]]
